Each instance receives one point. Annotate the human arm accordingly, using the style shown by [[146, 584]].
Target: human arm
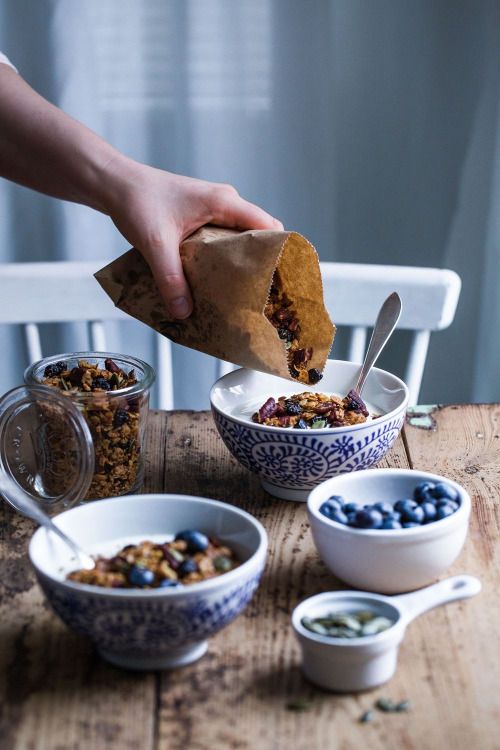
[[45, 149]]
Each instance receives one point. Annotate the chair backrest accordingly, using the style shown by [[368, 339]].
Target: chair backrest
[[65, 291], [34, 293], [353, 294]]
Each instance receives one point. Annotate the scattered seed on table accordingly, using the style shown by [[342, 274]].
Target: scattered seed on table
[[366, 717], [385, 704], [403, 706], [299, 705]]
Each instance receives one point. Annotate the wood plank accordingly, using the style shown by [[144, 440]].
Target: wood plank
[[450, 655], [237, 695], [56, 693]]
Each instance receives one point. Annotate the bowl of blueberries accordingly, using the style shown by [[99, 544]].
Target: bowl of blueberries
[[389, 530]]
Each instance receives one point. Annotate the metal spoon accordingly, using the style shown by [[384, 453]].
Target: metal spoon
[[385, 324], [23, 503]]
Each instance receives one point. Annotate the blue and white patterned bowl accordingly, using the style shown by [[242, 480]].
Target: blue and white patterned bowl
[[290, 463], [156, 628]]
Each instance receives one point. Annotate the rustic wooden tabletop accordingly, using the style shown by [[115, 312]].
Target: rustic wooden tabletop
[[56, 694]]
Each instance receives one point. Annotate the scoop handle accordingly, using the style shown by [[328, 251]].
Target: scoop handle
[[456, 587]]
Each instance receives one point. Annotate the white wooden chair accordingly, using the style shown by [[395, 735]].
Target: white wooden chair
[[34, 293]]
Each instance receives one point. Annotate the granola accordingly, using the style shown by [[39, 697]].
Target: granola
[[114, 421], [280, 312], [191, 557], [312, 411]]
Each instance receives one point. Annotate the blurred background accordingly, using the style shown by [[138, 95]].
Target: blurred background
[[370, 126]]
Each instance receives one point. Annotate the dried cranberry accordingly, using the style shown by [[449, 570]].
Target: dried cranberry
[[121, 416], [293, 324], [172, 561], [301, 356], [55, 369], [314, 375], [268, 409], [111, 366], [355, 403], [100, 383], [324, 407]]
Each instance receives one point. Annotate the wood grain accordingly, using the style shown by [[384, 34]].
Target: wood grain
[[56, 694]]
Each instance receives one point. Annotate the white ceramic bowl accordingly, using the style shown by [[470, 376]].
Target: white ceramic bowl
[[344, 664], [290, 463], [387, 561], [156, 628]]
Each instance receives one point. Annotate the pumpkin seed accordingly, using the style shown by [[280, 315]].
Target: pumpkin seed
[[377, 625], [299, 705], [385, 704], [403, 706], [366, 717]]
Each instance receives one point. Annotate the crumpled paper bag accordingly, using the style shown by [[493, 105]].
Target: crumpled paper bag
[[230, 275]]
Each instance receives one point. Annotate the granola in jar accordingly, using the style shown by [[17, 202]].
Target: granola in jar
[[312, 411], [113, 399], [190, 558], [280, 312]]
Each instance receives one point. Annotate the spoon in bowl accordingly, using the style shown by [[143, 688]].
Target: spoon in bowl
[[23, 503], [385, 324]]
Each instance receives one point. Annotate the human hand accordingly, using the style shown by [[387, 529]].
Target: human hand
[[156, 210]]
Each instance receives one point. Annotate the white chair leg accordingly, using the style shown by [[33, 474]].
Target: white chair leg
[[165, 373], [357, 344], [416, 364], [97, 336], [224, 367], [32, 337]]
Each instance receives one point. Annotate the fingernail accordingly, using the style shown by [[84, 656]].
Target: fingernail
[[179, 307]]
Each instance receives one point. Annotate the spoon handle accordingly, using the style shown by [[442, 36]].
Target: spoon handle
[[28, 507], [385, 324], [456, 587]]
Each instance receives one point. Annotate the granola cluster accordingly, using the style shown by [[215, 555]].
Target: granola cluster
[[306, 410], [280, 313], [190, 558], [114, 421]]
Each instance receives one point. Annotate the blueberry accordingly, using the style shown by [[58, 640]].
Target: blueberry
[[186, 567], [301, 425], [393, 516], [409, 524], [293, 408], [339, 516], [402, 506], [390, 523], [337, 499], [429, 511], [423, 491], [332, 511], [55, 369], [139, 576], [195, 540], [413, 515], [384, 508], [368, 519], [351, 507], [445, 491], [168, 583], [101, 383], [444, 511], [351, 518]]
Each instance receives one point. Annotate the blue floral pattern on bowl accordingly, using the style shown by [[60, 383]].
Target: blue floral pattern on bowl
[[148, 626], [300, 460]]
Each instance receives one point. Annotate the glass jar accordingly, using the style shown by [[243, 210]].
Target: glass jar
[[116, 419]]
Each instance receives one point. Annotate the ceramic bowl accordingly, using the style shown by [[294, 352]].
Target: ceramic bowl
[[387, 561], [156, 628], [290, 463], [345, 664]]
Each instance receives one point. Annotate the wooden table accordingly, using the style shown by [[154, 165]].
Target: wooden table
[[56, 694]]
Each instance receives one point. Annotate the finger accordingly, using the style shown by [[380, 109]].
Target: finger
[[166, 267], [229, 210]]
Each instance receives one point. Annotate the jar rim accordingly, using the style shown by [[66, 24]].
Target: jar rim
[[145, 383]]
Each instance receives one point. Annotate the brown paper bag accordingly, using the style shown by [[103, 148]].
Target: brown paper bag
[[230, 275]]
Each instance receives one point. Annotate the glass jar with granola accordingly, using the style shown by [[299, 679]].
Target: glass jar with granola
[[111, 392]]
